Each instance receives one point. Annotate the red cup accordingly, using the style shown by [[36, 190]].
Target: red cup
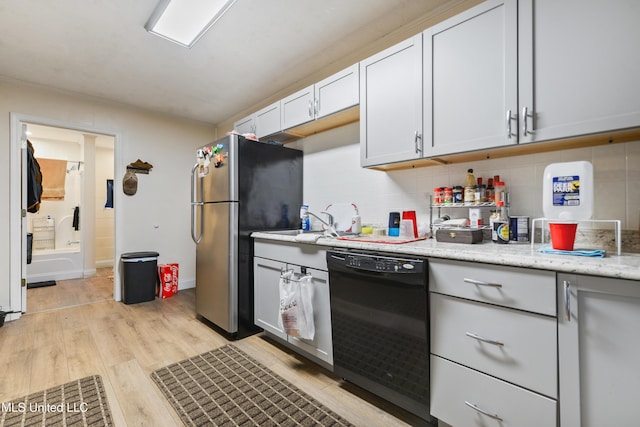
[[411, 215], [563, 235]]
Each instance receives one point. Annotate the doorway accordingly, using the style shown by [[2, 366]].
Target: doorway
[[72, 232], [90, 233]]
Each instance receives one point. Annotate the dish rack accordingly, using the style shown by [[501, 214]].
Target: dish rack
[[44, 233]]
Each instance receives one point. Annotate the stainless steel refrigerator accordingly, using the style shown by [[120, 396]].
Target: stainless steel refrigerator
[[238, 186]]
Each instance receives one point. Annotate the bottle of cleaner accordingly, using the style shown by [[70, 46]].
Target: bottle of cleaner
[[304, 218]]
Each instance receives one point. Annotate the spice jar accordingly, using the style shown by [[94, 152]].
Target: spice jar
[[458, 194], [438, 195], [481, 193], [448, 196], [469, 194]]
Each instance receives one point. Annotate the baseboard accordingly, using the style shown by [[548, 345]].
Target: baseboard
[[186, 284], [104, 263]]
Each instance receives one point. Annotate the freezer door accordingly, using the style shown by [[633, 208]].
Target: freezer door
[[217, 266], [220, 183]]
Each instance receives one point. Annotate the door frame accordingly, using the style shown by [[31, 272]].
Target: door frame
[[18, 248]]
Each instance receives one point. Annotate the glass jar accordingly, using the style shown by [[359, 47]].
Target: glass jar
[[458, 194], [448, 196], [438, 195], [469, 194]]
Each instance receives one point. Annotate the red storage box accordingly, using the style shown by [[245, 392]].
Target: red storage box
[[168, 274]]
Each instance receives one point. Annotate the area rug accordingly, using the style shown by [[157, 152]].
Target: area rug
[[78, 403], [228, 387]]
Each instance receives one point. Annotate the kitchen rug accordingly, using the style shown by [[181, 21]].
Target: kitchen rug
[[78, 403], [228, 387]]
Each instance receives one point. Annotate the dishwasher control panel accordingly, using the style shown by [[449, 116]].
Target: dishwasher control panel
[[383, 264]]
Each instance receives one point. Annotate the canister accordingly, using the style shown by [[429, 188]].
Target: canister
[[519, 228]]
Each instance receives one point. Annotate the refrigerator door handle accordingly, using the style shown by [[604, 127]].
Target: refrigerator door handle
[[196, 204]]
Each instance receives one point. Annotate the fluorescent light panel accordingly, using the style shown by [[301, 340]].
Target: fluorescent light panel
[[185, 21]]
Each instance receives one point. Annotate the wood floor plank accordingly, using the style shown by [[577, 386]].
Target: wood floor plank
[[139, 408]]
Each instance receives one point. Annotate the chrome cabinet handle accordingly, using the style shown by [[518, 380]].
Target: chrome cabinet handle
[[482, 411], [416, 138], [567, 300], [525, 116], [483, 339], [481, 283], [316, 107], [509, 118], [310, 108]]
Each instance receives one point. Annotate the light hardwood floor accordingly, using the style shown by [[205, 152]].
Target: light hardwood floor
[[125, 343], [72, 292]]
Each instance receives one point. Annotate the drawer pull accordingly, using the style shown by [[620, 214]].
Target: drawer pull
[[567, 300], [482, 411], [483, 339], [481, 283]]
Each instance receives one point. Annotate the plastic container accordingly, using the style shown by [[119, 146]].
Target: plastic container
[[304, 218], [567, 191], [563, 235], [470, 180], [139, 276]]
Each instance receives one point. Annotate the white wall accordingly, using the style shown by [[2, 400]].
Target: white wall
[[163, 196], [332, 173]]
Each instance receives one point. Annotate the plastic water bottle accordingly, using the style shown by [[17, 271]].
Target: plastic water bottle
[[304, 217]]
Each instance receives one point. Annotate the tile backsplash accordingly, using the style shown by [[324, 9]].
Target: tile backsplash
[[332, 173]]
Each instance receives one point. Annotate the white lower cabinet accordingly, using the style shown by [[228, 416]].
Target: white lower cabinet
[[599, 351], [492, 362], [463, 397], [270, 259]]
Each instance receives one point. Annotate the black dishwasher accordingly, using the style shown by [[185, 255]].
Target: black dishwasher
[[380, 326]]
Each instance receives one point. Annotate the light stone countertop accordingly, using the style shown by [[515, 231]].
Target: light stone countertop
[[625, 266]]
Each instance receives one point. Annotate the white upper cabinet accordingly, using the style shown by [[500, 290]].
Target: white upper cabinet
[[268, 120], [262, 123], [333, 94], [470, 80], [391, 104], [245, 125], [579, 67]]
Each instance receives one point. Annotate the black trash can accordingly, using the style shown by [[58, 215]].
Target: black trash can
[[139, 276]]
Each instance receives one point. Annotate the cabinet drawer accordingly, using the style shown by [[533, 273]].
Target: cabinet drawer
[[305, 255], [525, 289], [452, 385], [524, 347]]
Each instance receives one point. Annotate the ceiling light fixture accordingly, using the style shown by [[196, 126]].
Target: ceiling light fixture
[[185, 21]]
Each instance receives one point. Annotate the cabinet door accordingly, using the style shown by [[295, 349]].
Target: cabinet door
[[267, 294], [579, 67], [599, 350], [470, 73], [268, 120], [391, 104], [338, 92], [297, 108], [321, 346], [246, 125]]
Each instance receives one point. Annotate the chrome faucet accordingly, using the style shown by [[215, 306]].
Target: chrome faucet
[[328, 223]]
